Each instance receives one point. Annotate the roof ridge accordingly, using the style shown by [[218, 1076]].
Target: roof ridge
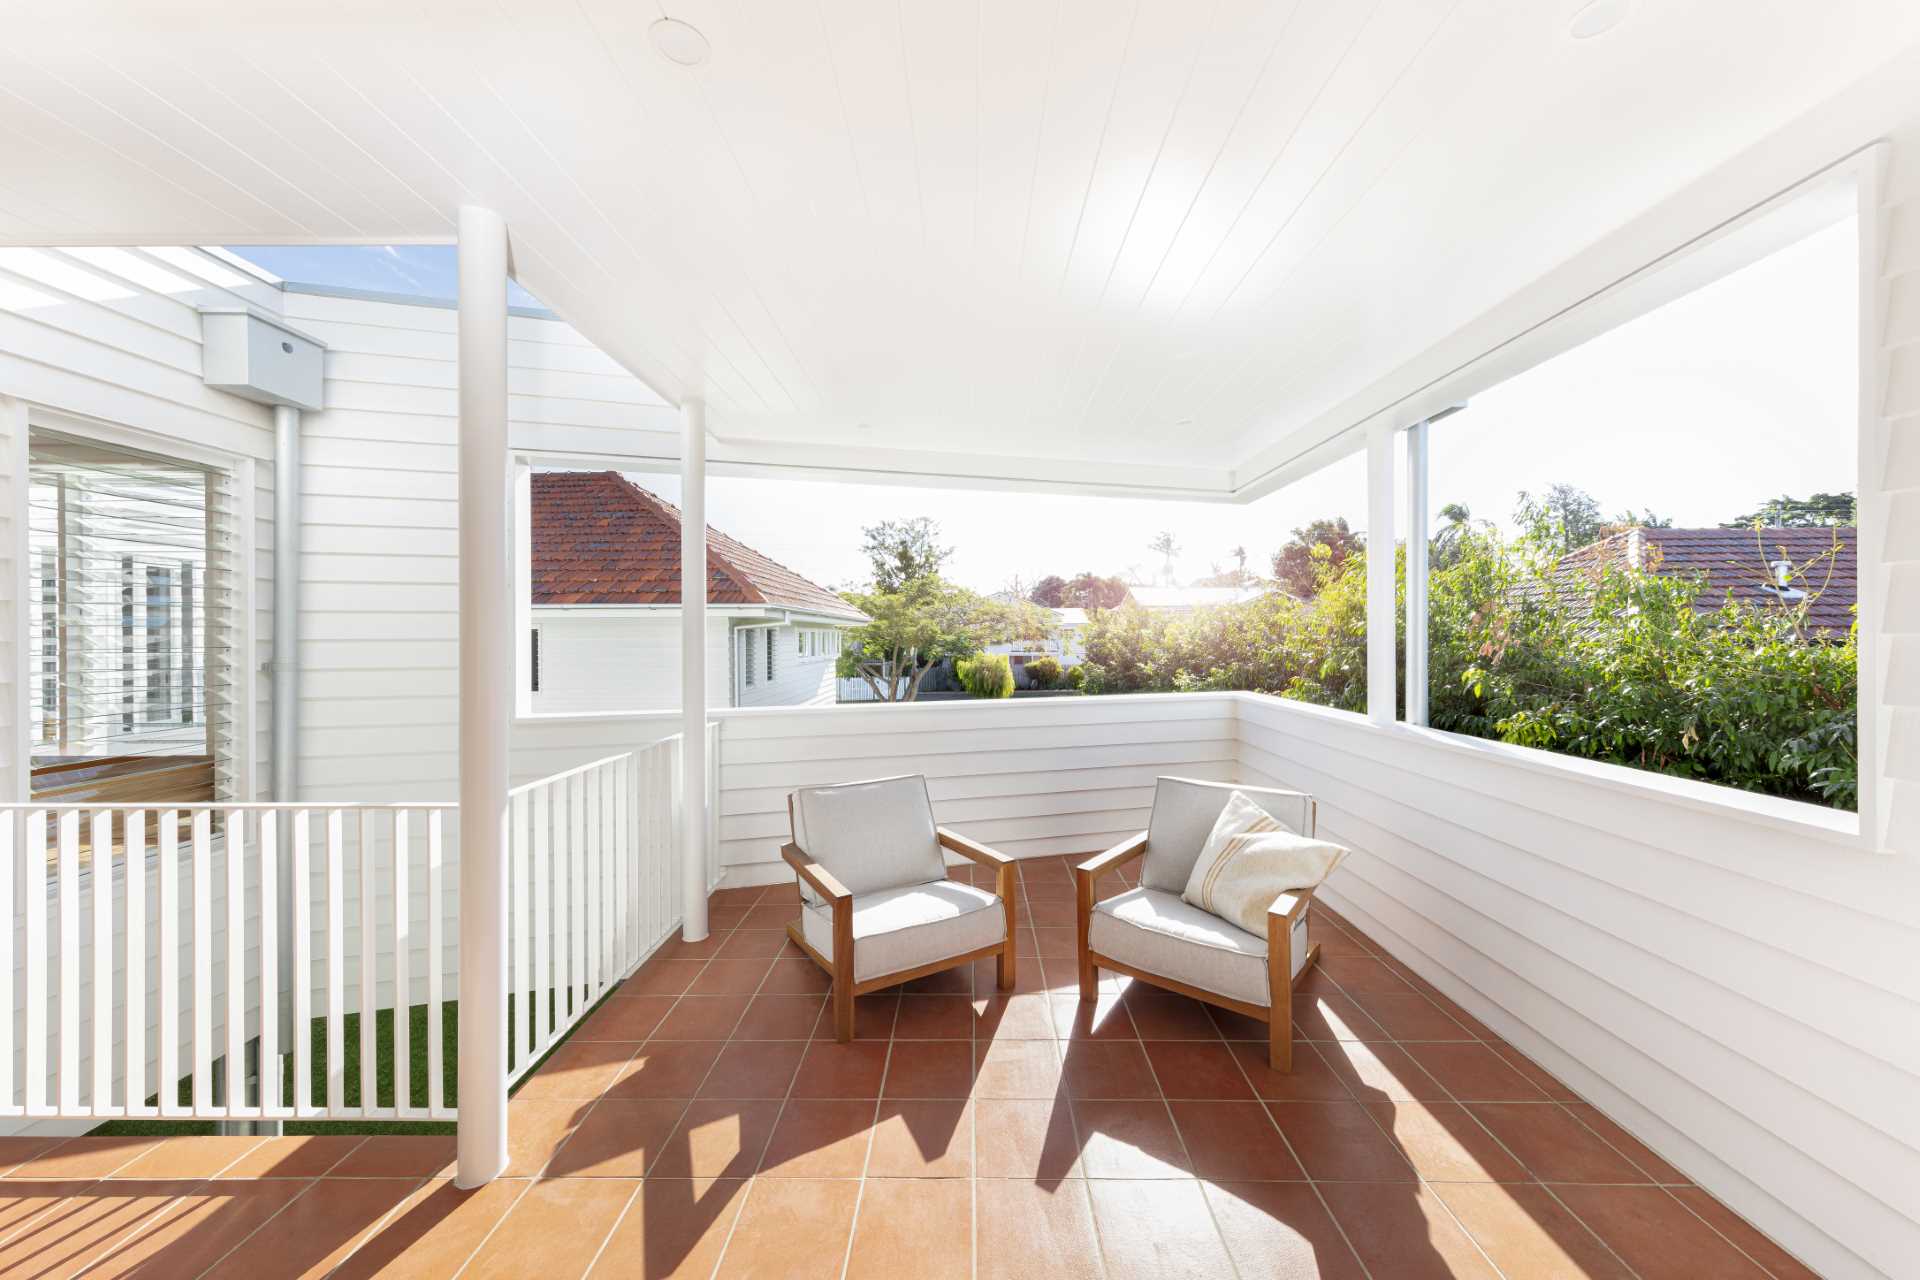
[[742, 581]]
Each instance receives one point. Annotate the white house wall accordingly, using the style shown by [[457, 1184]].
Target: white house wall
[[799, 680], [592, 662]]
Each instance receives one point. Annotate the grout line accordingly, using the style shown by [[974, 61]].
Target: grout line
[[1192, 1167]]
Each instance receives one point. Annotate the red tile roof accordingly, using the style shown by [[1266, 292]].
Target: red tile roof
[[598, 538], [1738, 561]]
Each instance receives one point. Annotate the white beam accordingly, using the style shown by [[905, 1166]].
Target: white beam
[[693, 667], [1418, 529], [1382, 655], [486, 696]]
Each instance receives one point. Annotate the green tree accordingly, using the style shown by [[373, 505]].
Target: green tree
[[903, 552], [1564, 519], [1166, 546], [924, 623], [1294, 567], [1814, 511]]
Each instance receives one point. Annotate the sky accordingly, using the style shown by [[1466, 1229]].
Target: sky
[[421, 270], [1698, 411]]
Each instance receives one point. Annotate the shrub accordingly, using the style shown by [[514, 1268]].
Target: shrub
[[1044, 672], [1076, 677], [986, 675]]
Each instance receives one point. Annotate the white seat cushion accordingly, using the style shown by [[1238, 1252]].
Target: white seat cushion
[[1157, 933], [899, 929]]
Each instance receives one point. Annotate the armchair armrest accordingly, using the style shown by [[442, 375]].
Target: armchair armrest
[[1118, 856], [1286, 910], [813, 873], [972, 850]]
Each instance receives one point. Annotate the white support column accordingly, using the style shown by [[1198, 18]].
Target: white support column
[[16, 583], [521, 580], [1382, 655], [693, 666], [486, 696], [1418, 528]]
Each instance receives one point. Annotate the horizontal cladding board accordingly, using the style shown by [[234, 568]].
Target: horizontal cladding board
[[128, 335], [960, 741], [824, 770]]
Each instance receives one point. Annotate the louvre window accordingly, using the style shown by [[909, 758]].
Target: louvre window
[[132, 563]]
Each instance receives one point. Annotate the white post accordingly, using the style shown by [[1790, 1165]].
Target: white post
[[486, 697], [1382, 655], [693, 667], [522, 582], [1418, 522]]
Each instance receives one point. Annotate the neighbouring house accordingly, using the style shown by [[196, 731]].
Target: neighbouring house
[[1187, 599], [606, 608], [1776, 566], [1066, 641]]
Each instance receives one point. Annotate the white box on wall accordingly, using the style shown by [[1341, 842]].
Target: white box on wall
[[252, 355]]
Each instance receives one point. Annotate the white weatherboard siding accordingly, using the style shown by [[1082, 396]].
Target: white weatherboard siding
[[603, 662], [799, 680]]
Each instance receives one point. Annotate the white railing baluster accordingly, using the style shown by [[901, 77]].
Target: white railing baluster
[[9, 864], [168, 1085], [622, 870], [542, 868], [202, 963], [336, 965], [562, 896], [609, 894], [134, 831], [369, 973], [268, 844], [436, 961], [68, 887], [576, 893], [236, 1055], [101, 1095], [302, 975], [519, 908], [590, 890], [35, 905], [402, 990]]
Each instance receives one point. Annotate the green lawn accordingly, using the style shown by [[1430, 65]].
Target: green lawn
[[350, 1043]]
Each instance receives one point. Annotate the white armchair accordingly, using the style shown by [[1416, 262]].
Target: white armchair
[[1152, 934], [877, 908]]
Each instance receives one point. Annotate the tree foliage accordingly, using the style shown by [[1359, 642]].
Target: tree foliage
[[1295, 567], [922, 624], [1087, 591], [903, 552], [1814, 511], [986, 675]]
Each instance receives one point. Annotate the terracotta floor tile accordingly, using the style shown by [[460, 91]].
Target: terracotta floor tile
[[19, 1148], [187, 1157], [1526, 1232], [722, 921], [1162, 1015], [1017, 1069], [934, 1017], [665, 1069], [1402, 1230], [920, 1228], [701, 1018], [1378, 1072], [718, 1140], [820, 1138], [831, 1070], [618, 1138], [730, 977], [1445, 1143], [1115, 1069], [1237, 1026], [1339, 1142], [535, 1130], [929, 1069], [754, 1069], [922, 1139], [1657, 1235], [198, 1229], [1235, 1141], [395, 1155], [1744, 1237], [1555, 1146], [955, 981], [82, 1158], [674, 1229], [740, 896], [623, 1017], [1537, 1075], [316, 1231], [1328, 1015], [1104, 1018], [772, 915], [791, 1229], [1280, 1231], [1627, 1145], [1358, 975], [1157, 1231], [1474, 1073], [1197, 1069], [555, 1229], [1057, 943], [780, 1018], [577, 1069], [1025, 1139], [1311, 1079], [1129, 1139], [1049, 912], [873, 1017], [1021, 1016], [749, 943], [1023, 1230], [297, 1156], [658, 977], [1408, 1015], [434, 1231], [83, 1227]]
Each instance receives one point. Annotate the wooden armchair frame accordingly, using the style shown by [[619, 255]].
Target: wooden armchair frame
[[840, 968], [1281, 918]]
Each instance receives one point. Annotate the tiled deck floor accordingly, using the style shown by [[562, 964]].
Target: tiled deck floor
[[966, 1134]]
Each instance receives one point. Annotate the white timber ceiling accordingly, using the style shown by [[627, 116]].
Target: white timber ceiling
[[1032, 237]]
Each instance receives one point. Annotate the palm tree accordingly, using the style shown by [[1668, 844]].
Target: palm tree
[[1458, 523], [1165, 546]]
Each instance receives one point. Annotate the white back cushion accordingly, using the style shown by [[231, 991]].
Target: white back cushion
[[1184, 811], [871, 835]]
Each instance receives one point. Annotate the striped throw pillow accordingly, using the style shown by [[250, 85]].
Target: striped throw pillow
[[1249, 860]]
